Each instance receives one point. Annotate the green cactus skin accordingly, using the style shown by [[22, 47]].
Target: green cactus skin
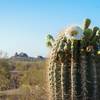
[[90, 77], [52, 69], [72, 69], [88, 33], [87, 23], [72, 79], [49, 40], [95, 29], [75, 72], [59, 72]]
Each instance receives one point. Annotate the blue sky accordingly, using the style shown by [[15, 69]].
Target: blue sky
[[25, 23]]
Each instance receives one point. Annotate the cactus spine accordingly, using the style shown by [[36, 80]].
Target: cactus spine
[[72, 69]]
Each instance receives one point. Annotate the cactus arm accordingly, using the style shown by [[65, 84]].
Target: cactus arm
[[75, 71], [89, 78], [87, 23], [72, 73], [98, 42], [95, 94], [88, 70], [59, 71], [49, 41], [49, 44], [65, 73], [77, 60], [51, 73], [95, 29], [54, 69], [83, 76]]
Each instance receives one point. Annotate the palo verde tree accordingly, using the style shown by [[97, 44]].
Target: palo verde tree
[[72, 69]]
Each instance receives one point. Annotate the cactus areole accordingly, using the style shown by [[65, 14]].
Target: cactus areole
[[72, 71]]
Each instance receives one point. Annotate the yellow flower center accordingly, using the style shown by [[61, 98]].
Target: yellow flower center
[[73, 33]]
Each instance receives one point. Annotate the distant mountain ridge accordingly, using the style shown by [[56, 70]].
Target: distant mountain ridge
[[24, 57]]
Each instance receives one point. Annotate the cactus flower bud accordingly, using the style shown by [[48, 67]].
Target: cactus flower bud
[[87, 23], [95, 29]]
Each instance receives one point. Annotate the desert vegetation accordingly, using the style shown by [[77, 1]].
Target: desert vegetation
[[22, 80]]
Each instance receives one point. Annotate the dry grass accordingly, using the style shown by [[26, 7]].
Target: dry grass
[[34, 77]]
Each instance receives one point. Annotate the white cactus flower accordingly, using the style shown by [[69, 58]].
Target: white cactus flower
[[74, 33]]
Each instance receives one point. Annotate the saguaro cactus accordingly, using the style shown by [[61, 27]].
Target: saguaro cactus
[[72, 70]]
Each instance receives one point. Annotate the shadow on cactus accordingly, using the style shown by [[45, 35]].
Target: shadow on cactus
[[72, 68]]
